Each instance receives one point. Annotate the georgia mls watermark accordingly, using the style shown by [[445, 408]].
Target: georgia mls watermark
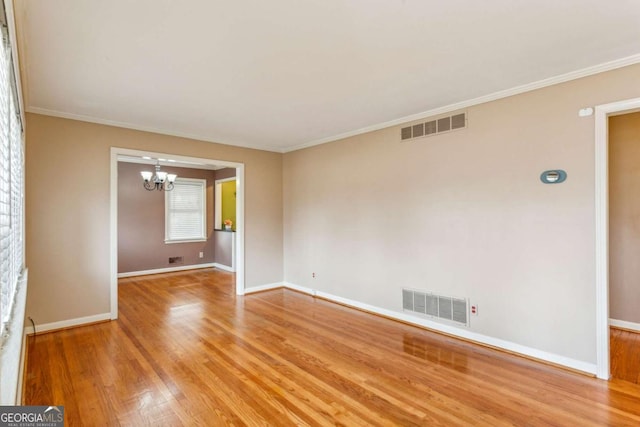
[[31, 416]]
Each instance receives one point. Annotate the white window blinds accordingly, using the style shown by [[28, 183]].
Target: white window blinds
[[11, 188], [185, 217]]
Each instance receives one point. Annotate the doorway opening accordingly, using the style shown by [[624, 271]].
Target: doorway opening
[[624, 245], [121, 154], [602, 267], [225, 221]]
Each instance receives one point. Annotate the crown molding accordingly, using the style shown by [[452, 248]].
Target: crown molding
[[133, 126], [573, 75]]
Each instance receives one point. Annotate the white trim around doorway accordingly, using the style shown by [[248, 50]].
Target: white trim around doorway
[[113, 216], [602, 113]]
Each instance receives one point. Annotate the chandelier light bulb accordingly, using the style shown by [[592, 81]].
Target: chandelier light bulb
[[157, 181]]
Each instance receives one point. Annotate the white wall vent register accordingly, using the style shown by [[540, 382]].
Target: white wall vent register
[[434, 126], [438, 306]]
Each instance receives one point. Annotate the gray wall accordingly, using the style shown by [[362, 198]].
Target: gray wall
[[624, 217], [225, 173], [223, 247], [141, 222]]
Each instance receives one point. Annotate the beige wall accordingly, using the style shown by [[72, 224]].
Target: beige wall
[[624, 217], [67, 211], [471, 217], [474, 219], [141, 222]]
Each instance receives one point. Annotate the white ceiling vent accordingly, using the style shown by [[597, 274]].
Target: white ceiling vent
[[435, 126], [438, 306]]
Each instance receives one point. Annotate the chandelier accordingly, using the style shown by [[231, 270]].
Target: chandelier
[[160, 181]]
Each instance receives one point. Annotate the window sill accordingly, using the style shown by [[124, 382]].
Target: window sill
[[170, 242]]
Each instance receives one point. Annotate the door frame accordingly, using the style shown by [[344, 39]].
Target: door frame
[[218, 199], [602, 113], [113, 215]]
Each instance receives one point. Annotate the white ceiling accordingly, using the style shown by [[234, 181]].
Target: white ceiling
[[282, 74]]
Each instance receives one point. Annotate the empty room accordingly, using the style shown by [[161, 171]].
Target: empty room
[[352, 213]]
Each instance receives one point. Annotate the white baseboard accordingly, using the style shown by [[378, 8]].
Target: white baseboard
[[46, 327], [624, 324], [262, 288], [166, 270], [278, 285], [299, 288], [578, 365], [223, 267]]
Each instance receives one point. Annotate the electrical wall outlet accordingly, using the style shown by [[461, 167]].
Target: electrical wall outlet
[[474, 309], [201, 255]]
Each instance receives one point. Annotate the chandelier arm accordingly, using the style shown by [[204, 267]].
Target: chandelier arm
[[161, 181]]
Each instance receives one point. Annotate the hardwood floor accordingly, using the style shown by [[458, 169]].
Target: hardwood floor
[[186, 351], [625, 355]]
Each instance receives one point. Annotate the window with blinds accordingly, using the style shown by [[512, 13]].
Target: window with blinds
[[185, 211], [11, 187]]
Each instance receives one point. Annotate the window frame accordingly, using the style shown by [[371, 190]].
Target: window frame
[[12, 173], [202, 183]]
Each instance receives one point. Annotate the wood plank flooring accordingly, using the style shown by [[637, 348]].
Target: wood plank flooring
[[186, 351], [624, 348]]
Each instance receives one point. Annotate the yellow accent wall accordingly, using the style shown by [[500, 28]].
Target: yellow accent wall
[[229, 201]]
